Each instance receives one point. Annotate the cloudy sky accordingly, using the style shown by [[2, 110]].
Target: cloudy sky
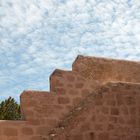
[[37, 36]]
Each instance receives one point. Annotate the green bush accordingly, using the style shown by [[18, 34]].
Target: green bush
[[9, 110]]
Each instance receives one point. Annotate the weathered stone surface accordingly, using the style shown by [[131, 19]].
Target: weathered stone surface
[[98, 100]]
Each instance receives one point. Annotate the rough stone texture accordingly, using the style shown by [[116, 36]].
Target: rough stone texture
[[93, 123], [106, 70], [98, 100]]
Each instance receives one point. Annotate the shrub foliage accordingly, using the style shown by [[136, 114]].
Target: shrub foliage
[[9, 110]]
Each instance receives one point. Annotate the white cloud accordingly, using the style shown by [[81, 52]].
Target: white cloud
[[38, 36]]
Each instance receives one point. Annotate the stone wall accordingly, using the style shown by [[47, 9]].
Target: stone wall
[[41, 111], [113, 113], [106, 70], [81, 105]]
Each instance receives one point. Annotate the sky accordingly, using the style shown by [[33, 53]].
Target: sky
[[38, 36]]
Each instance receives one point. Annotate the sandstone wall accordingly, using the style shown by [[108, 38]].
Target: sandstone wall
[[106, 70], [111, 114], [41, 111], [44, 113]]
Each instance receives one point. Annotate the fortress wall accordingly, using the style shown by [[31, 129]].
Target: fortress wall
[[41, 110], [105, 70], [72, 85], [112, 114]]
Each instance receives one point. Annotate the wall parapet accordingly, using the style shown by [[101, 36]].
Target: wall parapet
[[106, 70]]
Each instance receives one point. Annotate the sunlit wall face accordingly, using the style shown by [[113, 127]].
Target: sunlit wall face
[[37, 36]]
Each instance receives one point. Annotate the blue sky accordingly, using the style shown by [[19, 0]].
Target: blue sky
[[37, 36]]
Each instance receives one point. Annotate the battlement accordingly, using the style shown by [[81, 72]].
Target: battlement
[[98, 100]]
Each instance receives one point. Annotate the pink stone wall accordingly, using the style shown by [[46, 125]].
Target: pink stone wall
[[41, 111], [112, 114], [106, 70], [44, 113]]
